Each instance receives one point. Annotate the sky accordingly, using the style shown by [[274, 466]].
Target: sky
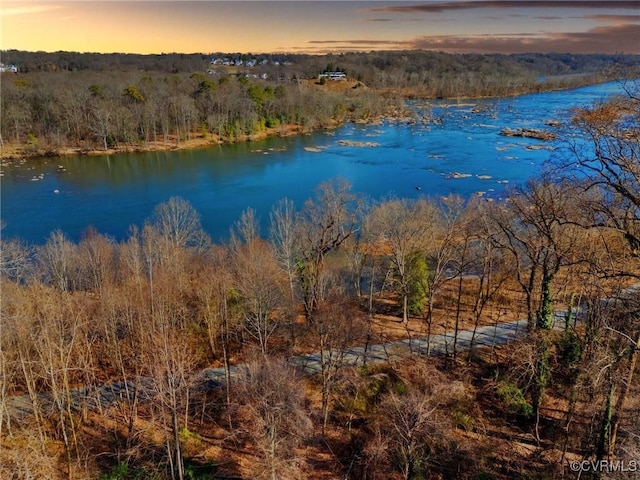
[[207, 26]]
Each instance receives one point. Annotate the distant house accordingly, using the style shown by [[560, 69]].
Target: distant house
[[8, 68], [333, 75]]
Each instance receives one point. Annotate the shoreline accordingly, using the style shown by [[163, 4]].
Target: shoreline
[[10, 151]]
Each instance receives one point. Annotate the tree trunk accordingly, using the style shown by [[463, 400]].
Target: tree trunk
[[605, 426], [405, 307], [545, 312], [622, 399], [542, 379], [225, 356], [429, 321], [457, 322], [178, 465], [529, 295]]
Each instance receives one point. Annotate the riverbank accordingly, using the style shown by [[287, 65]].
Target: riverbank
[[196, 140], [10, 151]]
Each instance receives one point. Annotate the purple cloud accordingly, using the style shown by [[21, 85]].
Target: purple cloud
[[438, 7]]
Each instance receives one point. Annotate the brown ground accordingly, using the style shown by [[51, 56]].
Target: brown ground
[[494, 444]]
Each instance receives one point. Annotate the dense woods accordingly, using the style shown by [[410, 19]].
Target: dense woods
[[85, 102], [92, 110], [103, 343]]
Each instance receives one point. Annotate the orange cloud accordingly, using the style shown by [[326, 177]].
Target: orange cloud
[[614, 18]]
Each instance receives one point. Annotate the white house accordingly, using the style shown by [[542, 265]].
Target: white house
[[333, 75], [8, 68]]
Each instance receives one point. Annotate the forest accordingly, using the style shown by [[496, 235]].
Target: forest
[[104, 343], [67, 102]]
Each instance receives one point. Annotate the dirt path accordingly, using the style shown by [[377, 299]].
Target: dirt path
[[498, 334], [109, 394]]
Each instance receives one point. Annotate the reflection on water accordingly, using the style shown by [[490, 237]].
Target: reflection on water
[[452, 148]]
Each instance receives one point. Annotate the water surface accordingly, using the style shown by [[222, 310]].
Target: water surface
[[458, 151]]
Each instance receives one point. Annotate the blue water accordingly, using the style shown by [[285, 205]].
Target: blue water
[[113, 192]]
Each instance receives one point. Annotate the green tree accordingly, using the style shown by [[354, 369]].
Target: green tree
[[132, 93]]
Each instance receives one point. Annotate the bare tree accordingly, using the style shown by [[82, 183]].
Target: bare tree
[[217, 309], [487, 266], [323, 225], [624, 326], [536, 229], [57, 261], [336, 326], [403, 227], [441, 252], [18, 325], [15, 259], [272, 406], [179, 223], [452, 254], [59, 342], [170, 362], [409, 430], [258, 280], [611, 163], [282, 236], [607, 170], [412, 419], [96, 258]]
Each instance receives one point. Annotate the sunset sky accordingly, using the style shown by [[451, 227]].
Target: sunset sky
[[321, 26]]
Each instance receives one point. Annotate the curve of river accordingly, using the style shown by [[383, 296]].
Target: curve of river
[[459, 151]]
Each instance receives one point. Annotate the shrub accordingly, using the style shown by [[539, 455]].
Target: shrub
[[570, 350], [120, 471], [514, 400]]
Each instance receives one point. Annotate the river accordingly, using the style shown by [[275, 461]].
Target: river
[[459, 151]]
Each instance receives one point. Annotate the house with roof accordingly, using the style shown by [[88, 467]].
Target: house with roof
[[333, 75], [8, 68]]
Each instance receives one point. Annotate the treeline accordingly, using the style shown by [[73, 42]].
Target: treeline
[[147, 314], [30, 62], [362, 65], [101, 110], [442, 75]]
